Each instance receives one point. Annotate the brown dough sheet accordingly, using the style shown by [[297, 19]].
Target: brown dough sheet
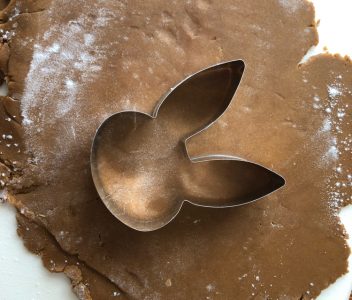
[[73, 63]]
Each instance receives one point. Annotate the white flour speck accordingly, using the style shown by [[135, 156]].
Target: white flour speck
[[70, 84], [340, 114], [55, 48], [89, 39], [333, 152], [326, 125], [210, 287], [334, 91]]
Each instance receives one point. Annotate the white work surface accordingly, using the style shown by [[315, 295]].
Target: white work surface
[[22, 274]]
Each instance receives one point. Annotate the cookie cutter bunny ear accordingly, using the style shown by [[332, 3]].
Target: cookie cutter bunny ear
[[140, 164]]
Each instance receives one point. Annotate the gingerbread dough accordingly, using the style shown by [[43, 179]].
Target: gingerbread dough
[[70, 64]]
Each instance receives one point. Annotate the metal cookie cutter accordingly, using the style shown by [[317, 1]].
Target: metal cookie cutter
[[141, 167]]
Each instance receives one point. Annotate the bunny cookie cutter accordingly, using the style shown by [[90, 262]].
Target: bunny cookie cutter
[[140, 164]]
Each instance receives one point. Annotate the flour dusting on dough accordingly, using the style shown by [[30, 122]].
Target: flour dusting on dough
[[62, 68], [336, 147], [290, 5]]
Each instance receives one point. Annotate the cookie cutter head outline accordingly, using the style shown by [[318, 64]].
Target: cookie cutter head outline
[[234, 69]]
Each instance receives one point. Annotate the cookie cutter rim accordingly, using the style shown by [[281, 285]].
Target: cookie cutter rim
[[197, 159]]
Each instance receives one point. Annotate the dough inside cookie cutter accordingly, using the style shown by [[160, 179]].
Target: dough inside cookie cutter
[[141, 167]]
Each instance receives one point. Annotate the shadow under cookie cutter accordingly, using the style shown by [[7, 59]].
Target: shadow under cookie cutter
[[141, 167]]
